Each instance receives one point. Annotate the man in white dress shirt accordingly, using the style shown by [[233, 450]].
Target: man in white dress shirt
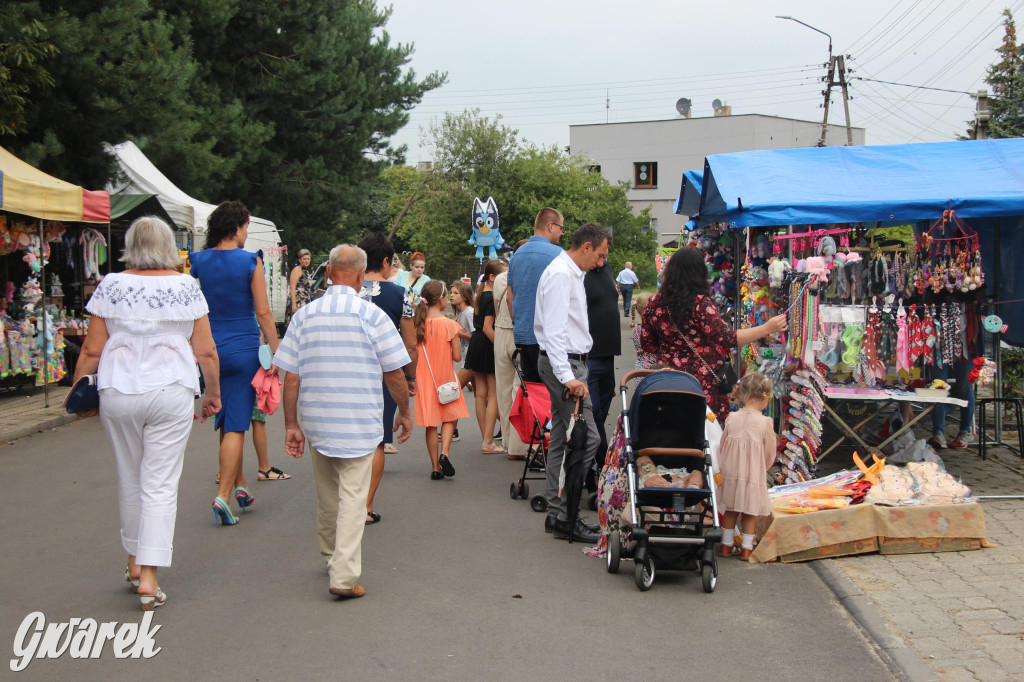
[[563, 333], [626, 280]]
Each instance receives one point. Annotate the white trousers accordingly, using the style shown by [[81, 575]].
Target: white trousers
[[148, 432]]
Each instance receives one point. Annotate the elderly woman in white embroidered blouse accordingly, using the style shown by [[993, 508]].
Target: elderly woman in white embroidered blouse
[[149, 327]]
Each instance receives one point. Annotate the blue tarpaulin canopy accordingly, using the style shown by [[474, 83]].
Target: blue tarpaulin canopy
[[688, 200], [976, 178]]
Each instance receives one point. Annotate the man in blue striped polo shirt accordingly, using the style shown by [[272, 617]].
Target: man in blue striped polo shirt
[[334, 355]]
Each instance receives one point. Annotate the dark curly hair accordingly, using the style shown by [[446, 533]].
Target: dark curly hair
[[684, 279], [224, 222]]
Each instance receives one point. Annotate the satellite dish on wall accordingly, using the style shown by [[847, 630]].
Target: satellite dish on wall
[[716, 105], [683, 106]]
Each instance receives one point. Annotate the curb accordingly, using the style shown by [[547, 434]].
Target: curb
[[859, 606], [13, 434]]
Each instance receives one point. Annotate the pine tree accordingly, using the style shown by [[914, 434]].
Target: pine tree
[[1006, 78], [329, 85]]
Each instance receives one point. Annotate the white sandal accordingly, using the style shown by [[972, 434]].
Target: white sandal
[[133, 583], [151, 601]]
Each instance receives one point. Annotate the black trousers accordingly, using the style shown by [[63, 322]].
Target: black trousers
[[601, 384], [528, 356]]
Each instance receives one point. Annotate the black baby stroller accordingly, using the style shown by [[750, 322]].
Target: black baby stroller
[[669, 528], [531, 410]]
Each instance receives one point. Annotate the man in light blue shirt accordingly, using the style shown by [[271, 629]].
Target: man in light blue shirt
[[626, 280], [524, 271], [334, 355]]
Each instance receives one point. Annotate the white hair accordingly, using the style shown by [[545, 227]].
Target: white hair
[[342, 260], [149, 245]]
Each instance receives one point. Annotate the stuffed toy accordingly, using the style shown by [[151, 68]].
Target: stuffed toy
[[729, 280], [827, 250], [486, 234], [777, 268]]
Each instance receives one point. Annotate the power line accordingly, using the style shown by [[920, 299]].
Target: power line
[[929, 33], [632, 83], [957, 58], [908, 85], [866, 49], [873, 26]]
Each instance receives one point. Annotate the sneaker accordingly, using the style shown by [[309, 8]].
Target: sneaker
[[390, 449], [962, 441], [455, 436], [938, 441]]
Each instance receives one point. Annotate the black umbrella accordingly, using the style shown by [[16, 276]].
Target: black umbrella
[[574, 468]]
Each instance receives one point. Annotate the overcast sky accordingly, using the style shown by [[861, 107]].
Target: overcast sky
[[546, 64]]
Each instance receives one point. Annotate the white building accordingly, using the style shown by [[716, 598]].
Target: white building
[[652, 155]]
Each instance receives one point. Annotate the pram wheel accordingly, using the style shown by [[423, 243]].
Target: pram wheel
[[592, 502], [538, 503], [614, 551], [513, 490], [519, 489], [643, 574], [709, 576]]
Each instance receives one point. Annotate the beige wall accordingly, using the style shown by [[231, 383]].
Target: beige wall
[[681, 144]]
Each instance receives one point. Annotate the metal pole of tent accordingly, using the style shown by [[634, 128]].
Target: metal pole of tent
[[46, 356], [997, 352]]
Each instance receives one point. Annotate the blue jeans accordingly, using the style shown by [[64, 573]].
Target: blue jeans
[[627, 297], [963, 390]]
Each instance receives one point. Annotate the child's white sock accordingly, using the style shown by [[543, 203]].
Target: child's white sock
[[728, 536], [748, 541]]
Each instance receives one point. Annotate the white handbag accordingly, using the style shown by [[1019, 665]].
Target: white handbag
[[446, 393]]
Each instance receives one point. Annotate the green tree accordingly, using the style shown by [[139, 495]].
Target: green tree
[[24, 51], [328, 83], [1006, 78], [121, 74], [479, 157]]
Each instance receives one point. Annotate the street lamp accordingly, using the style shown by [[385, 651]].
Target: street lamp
[[828, 92], [789, 18]]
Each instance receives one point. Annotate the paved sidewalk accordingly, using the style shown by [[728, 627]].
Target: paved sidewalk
[[24, 412], [961, 612]]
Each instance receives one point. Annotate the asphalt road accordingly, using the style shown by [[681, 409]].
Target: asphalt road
[[441, 570]]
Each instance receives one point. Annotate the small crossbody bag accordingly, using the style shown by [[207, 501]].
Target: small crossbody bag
[[725, 377], [446, 393]]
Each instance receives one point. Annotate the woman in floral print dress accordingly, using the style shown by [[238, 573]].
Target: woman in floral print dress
[[683, 309]]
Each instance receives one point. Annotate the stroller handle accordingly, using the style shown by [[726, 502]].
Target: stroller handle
[[636, 373]]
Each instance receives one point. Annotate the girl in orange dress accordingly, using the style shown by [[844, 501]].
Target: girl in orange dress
[[746, 451], [439, 349]]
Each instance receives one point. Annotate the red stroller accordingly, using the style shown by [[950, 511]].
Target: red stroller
[[531, 411]]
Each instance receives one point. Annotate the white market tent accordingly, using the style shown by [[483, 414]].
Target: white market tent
[[142, 177]]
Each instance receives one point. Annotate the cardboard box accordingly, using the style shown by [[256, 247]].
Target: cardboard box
[[831, 551], [923, 545]]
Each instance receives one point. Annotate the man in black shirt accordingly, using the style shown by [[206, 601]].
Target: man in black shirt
[[605, 330]]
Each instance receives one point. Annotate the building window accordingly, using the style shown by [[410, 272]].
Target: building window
[[645, 174], [651, 226], [594, 168]]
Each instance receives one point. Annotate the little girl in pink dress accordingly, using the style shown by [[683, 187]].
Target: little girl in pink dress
[[746, 451]]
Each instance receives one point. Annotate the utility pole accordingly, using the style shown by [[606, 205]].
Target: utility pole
[[836, 64], [981, 116]]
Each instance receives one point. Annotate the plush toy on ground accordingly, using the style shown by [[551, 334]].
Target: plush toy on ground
[[485, 228]]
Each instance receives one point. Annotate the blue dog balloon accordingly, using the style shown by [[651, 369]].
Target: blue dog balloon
[[485, 228]]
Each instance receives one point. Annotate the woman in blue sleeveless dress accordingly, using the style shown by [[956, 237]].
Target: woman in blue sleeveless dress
[[234, 284]]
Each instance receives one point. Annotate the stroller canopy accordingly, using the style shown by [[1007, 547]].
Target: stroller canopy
[[668, 410]]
